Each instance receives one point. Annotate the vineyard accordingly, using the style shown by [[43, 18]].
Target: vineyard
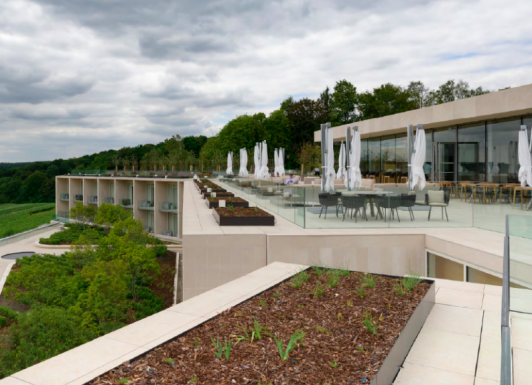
[[17, 218]]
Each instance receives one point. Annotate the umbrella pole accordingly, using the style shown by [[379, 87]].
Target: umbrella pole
[[323, 155], [347, 156], [410, 134]]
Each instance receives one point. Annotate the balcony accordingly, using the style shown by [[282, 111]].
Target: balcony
[[109, 200], [168, 207], [126, 203], [93, 200], [78, 198], [145, 205], [64, 197]]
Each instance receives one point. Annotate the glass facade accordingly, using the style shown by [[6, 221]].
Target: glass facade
[[484, 151]]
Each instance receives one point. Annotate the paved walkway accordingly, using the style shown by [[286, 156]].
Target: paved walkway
[[27, 244], [460, 342]]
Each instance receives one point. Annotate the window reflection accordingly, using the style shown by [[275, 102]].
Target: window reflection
[[472, 152], [503, 161]]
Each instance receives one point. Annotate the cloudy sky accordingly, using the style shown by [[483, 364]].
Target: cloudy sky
[[82, 76]]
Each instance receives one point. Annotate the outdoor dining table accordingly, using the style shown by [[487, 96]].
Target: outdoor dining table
[[371, 195], [484, 186], [450, 185], [519, 188], [462, 187]]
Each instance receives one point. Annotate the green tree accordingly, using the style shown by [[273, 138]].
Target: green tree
[[305, 117], [418, 93], [83, 214], [108, 214], [344, 101], [388, 99], [310, 156], [325, 98]]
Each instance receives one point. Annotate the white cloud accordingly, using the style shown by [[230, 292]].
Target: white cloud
[[82, 76]]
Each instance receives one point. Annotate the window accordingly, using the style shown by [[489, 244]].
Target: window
[[374, 154], [388, 154], [471, 152], [503, 160]]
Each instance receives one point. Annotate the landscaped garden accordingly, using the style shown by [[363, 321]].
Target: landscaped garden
[[322, 326], [17, 218], [213, 202], [111, 277]]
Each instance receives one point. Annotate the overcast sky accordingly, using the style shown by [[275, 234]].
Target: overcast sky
[[82, 76]]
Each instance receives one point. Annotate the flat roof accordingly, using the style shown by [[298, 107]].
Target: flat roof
[[495, 105]]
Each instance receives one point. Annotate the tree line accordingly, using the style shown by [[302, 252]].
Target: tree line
[[291, 126]]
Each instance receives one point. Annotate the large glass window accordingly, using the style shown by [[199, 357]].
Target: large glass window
[[427, 167], [503, 161], [364, 166], [401, 156], [388, 154], [374, 154], [445, 134], [472, 152]]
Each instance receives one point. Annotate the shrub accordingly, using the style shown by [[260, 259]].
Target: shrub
[[3, 321], [8, 313]]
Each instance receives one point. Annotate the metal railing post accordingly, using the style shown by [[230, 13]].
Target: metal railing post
[[506, 346]]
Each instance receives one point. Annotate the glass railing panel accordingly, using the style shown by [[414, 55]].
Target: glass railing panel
[[145, 204], [431, 208], [520, 229]]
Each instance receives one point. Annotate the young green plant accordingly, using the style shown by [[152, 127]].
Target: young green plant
[[298, 334]]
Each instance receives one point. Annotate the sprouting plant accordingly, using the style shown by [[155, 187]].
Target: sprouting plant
[[262, 303], [333, 277], [369, 280], [381, 318], [280, 316], [349, 303], [411, 281], [222, 349], [320, 329], [246, 336], [369, 323], [169, 360], [360, 291], [193, 379], [303, 275], [296, 281], [196, 341], [258, 329], [276, 294], [399, 289], [124, 381], [300, 306], [231, 208], [318, 270], [256, 209], [298, 334], [359, 347], [333, 364], [318, 290], [339, 316]]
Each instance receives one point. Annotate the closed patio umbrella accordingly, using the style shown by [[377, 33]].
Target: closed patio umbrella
[[525, 159], [418, 160], [276, 162], [243, 162], [281, 162], [330, 173], [229, 163], [256, 158], [355, 176], [341, 163], [264, 161]]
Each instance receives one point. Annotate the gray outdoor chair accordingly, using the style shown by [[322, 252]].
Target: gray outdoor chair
[[328, 200], [409, 201], [437, 199], [356, 204], [389, 202]]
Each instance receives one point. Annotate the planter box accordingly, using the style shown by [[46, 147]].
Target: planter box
[[218, 194], [213, 205], [397, 355], [243, 221]]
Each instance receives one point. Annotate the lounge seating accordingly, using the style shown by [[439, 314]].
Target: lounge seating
[[126, 202], [167, 233], [437, 199], [78, 197], [110, 200]]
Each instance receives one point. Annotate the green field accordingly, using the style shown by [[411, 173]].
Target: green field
[[17, 218]]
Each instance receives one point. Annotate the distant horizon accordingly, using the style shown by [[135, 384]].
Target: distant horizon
[[82, 75]]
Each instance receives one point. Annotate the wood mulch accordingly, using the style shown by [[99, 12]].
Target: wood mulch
[[336, 348], [227, 199], [242, 212]]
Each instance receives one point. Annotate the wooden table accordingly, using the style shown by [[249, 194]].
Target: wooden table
[[509, 186], [450, 184], [519, 188], [484, 186], [462, 186]]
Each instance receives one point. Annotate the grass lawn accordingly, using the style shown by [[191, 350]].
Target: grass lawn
[[17, 218]]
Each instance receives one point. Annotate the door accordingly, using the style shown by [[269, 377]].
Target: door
[[444, 160]]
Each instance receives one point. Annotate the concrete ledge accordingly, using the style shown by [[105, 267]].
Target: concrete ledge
[[84, 363]]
